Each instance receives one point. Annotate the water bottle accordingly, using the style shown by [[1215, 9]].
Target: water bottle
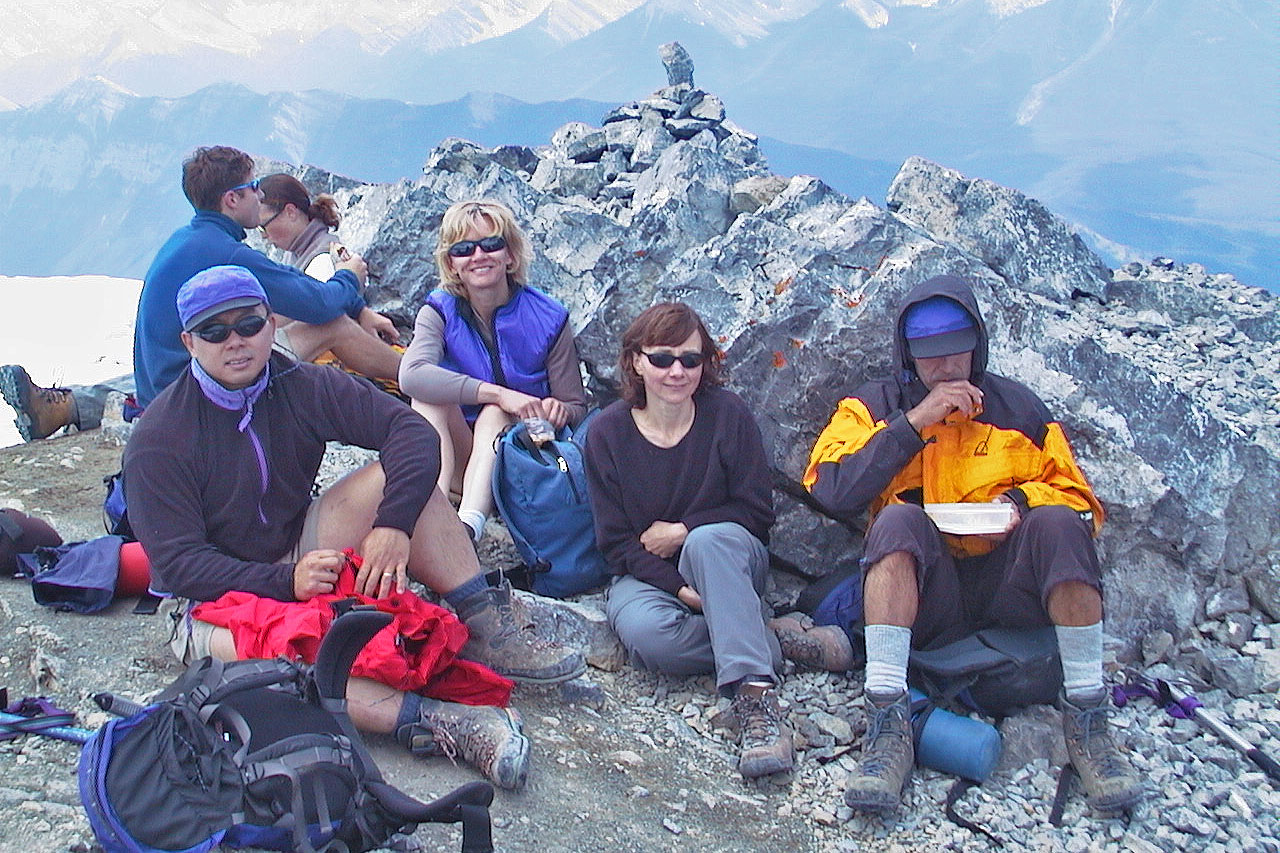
[[959, 745], [540, 430]]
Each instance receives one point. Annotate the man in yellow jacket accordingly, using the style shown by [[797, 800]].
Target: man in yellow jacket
[[943, 430]]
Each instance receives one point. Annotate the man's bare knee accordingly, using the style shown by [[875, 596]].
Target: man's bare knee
[[891, 591]]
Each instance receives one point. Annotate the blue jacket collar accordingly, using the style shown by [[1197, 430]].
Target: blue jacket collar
[[226, 223]]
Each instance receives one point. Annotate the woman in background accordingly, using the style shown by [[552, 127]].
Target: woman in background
[[487, 349], [300, 225], [303, 227]]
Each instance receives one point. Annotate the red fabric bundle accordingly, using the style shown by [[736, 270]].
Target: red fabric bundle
[[417, 652]]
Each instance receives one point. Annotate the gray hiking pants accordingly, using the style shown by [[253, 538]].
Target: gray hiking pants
[[729, 568], [92, 399]]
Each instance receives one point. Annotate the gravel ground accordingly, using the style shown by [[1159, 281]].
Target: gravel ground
[[628, 760]]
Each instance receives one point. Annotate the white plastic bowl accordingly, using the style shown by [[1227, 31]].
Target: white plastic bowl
[[968, 519]]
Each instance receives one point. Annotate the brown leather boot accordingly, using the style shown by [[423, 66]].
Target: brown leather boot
[[40, 411], [505, 639], [887, 755], [818, 646], [766, 738], [489, 738], [1109, 781]]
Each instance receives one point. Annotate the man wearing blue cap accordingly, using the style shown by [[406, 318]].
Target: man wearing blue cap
[[944, 430], [219, 476]]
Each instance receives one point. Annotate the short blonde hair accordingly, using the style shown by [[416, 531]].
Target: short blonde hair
[[491, 218]]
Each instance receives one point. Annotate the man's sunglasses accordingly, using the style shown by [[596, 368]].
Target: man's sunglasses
[[467, 248], [663, 360], [246, 327], [251, 185]]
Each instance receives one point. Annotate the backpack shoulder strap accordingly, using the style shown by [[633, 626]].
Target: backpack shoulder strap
[[516, 434]]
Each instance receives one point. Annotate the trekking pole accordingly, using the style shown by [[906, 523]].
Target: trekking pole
[[1181, 704], [47, 726]]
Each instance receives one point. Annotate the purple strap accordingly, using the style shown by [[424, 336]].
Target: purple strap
[[1183, 710], [37, 713]]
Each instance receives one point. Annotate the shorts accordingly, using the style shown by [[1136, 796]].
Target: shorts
[[189, 638], [1008, 588]]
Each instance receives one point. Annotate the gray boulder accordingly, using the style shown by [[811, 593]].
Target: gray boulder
[[1163, 375]]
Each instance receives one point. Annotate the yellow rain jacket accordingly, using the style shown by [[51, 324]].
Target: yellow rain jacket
[[869, 455]]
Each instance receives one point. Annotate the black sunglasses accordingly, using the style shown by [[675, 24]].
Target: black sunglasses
[[663, 360], [246, 327], [467, 248], [272, 218], [251, 185]]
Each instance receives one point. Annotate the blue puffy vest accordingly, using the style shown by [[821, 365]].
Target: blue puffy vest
[[524, 330]]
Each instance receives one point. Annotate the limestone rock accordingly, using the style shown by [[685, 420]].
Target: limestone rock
[[751, 194], [1232, 598], [1163, 375], [1014, 235], [678, 63]]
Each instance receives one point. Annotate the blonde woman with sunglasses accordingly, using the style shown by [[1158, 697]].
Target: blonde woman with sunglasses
[[487, 349]]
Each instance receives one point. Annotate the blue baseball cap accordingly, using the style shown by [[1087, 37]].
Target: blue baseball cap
[[939, 326], [210, 292]]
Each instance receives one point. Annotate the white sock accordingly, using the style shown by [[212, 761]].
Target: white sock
[[888, 649], [475, 520], [1081, 652]]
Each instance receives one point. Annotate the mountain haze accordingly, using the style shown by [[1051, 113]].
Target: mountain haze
[[1149, 123]]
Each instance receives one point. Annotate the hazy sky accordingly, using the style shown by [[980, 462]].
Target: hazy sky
[[89, 339]]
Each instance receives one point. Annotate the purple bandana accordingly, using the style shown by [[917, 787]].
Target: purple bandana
[[235, 401]]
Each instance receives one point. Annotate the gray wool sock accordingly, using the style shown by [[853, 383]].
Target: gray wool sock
[[469, 588], [888, 649], [1081, 651]]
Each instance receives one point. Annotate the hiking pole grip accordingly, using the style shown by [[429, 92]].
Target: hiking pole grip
[[117, 705], [1266, 762]]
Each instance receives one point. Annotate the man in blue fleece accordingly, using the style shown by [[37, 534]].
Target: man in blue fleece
[[331, 315], [218, 181]]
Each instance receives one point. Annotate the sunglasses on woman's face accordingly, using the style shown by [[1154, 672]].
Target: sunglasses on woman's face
[[663, 360], [467, 248], [246, 327], [270, 219]]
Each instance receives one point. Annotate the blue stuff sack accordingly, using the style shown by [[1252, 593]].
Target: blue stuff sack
[[541, 494], [78, 576], [836, 599]]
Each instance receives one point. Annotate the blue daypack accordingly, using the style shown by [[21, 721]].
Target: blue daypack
[[541, 494]]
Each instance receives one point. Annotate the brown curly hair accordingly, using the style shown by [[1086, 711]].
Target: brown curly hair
[[211, 171], [667, 324]]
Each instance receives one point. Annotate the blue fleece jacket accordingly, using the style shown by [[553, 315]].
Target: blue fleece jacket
[[208, 240]]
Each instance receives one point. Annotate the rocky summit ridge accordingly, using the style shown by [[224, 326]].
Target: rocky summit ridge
[[1164, 375]]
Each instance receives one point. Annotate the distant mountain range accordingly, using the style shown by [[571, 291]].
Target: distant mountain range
[[1149, 123], [90, 179]]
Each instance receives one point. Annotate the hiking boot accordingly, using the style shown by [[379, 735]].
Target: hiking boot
[[1109, 781], [504, 638], [887, 755], [489, 738], [818, 646], [40, 411], [766, 738]]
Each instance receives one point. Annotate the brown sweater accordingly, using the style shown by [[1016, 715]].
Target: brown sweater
[[717, 472]]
